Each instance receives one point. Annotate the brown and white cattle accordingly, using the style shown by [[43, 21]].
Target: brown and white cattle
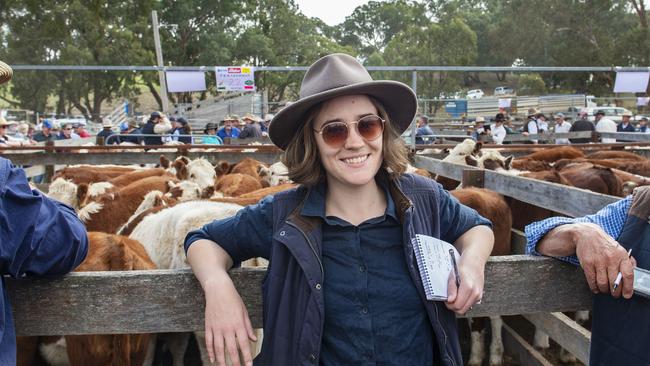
[[233, 185], [163, 233], [90, 174], [110, 211]]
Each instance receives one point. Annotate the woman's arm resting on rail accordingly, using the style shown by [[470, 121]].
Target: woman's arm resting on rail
[[227, 325], [475, 246]]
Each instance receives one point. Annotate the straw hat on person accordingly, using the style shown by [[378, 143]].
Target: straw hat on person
[[5, 72], [337, 75], [4, 122], [533, 112], [250, 117]]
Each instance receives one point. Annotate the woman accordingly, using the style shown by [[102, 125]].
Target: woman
[[211, 131], [342, 285]]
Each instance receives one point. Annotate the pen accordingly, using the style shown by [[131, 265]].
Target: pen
[[620, 275], [453, 262]]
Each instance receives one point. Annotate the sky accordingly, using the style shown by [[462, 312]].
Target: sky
[[332, 12]]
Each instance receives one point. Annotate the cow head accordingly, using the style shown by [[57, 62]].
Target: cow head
[[201, 172], [184, 191], [491, 160], [67, 192]]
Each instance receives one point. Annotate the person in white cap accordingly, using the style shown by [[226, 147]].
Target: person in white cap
[[561, 126], [625, 125], [107, 131]]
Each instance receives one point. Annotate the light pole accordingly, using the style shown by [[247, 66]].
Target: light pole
[[159, 58]]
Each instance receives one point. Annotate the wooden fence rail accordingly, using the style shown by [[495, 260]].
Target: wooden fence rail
[[570, 201], [172, 300]]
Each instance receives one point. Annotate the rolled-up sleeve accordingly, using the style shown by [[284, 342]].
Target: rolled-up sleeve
[[611, 219], [456, 218], [39, 236], [246, 235]]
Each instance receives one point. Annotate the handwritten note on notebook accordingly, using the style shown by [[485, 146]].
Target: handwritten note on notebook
[[435, 264]]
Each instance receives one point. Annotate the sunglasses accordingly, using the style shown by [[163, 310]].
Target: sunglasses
[[336, 133]]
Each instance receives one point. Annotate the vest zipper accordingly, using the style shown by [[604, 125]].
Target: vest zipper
[[313, 249]]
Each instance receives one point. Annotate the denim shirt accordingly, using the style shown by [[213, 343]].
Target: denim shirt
[[294, 301], [38, 236]]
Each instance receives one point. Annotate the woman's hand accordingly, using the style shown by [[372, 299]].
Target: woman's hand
[[227, 325], [470, 292]]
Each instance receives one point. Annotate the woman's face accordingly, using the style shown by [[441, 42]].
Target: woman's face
[[356, 161]]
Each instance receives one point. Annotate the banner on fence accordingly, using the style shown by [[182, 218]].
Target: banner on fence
[[235, 78], [631, 82], [185, 81]]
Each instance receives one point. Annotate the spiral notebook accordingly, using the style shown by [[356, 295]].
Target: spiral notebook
[[435, 264]]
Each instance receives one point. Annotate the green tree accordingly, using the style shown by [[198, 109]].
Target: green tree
[[372, 26], [75, 32], [451, 43]]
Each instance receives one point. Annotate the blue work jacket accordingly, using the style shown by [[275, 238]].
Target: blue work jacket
[[293, 288], [38, 237]]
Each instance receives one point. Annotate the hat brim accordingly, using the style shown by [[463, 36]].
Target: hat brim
[[5, 72], [397, 98]]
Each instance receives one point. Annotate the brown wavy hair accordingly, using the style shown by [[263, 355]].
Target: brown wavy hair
[[303, 159]]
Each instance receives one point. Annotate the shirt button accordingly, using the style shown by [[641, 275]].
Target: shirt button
[[318, 286], [282, 233], [362, 268], [312, 358], [364, 310]]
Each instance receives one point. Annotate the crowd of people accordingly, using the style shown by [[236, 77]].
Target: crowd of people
[[538, 123], [157, 130]]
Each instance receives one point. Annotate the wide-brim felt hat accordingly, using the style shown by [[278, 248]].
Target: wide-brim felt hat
[[5, 72], [337, 75]]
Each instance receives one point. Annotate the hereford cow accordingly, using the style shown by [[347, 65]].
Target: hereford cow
[[551, 155], [279, 174], [106, 252], [110, 211], [89, 174], [163, 233], [233, 185], [67, 192], [593, 177], [458, 155], [492, 206], [615, 154]]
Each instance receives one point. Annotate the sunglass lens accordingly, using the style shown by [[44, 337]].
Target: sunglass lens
[[335, 133], [370, 127]]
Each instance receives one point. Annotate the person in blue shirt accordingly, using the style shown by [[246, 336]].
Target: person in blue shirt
[[423, 130], [229, 130], [343, 285], [38, 237], [625, 125], [600, 244]]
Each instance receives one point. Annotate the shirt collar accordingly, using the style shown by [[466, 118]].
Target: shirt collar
[[315, 201]]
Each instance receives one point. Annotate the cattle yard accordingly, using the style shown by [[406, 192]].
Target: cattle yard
[[171, 300]]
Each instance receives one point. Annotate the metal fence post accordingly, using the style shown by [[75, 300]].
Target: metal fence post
[[414, 127]]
